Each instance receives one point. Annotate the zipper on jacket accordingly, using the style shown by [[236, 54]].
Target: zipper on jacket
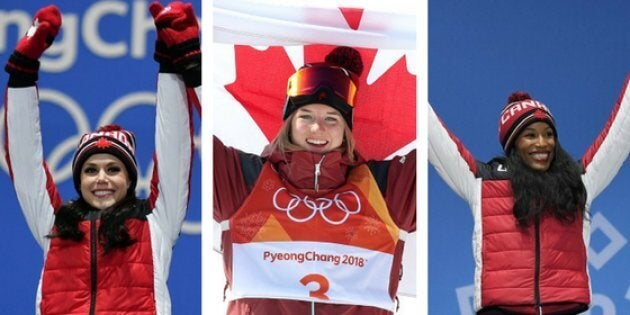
[[93, 255], [537, 267], [318, 171], [312, 308]]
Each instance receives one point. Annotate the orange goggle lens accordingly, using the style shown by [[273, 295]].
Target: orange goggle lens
[[308, 79]]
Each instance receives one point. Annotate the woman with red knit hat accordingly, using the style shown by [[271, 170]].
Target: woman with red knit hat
[[531, 206], [106, 252], [309, 227]]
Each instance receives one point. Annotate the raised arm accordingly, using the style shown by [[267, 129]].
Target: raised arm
[[33, 183], [177, 51], [233, 175], [396, 179], [451, 159], [610, 149]]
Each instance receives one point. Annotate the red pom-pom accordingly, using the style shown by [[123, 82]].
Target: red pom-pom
[[518, 96], [110, 127], [347, 58]]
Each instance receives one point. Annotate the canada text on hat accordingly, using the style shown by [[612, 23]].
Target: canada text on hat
[[517, 108], [121, 136]]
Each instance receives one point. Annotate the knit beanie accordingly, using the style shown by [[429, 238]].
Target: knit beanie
[[111, 139], [333, 82], [519, 112]]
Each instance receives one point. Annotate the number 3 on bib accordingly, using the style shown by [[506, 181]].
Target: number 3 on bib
[[323, 283]]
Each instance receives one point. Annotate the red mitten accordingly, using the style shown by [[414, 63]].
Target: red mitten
[[178, 29], [25, 59]]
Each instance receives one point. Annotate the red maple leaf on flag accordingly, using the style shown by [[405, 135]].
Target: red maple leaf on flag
[[384, 113]]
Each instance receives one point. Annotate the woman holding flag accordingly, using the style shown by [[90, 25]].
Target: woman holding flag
[[309, 226]]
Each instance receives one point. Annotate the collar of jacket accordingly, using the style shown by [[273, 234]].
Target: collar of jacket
[[299, 169]]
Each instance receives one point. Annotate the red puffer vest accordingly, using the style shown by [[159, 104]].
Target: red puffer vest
[[522, 268], [119, 282]]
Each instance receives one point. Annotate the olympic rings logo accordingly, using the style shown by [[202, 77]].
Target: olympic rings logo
[[62, 172], [319, 205]]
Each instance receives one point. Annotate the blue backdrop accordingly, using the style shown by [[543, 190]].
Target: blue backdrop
[[572, 56], [100, 70]]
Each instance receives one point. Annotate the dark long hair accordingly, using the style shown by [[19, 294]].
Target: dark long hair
[[112, 233], [559, 191]]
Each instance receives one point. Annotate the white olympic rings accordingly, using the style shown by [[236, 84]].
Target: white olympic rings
[[319, 205]]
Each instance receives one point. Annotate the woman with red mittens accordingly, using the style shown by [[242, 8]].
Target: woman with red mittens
[[309, 226], [107, 251], [531, 206]]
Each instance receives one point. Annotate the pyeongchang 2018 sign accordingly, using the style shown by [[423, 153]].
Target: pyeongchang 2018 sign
[[100, 70]]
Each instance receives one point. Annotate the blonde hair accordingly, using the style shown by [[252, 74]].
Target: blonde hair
[[282, 141]]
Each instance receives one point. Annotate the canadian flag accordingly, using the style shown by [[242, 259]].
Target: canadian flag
[[259, 44]]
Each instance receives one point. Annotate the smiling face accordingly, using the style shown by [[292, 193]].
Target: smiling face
[[104, 180], [317, 128], [536, 145]]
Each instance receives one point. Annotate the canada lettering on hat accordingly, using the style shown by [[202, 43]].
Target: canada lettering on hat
[[121, 136], [517, 108]]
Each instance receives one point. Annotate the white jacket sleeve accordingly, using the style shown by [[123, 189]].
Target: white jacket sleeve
[[170, 183], [36, 192], [198, 93], [452, 160], [610, 149]]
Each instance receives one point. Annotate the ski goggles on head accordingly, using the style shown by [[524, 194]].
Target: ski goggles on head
[[308, 79]]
